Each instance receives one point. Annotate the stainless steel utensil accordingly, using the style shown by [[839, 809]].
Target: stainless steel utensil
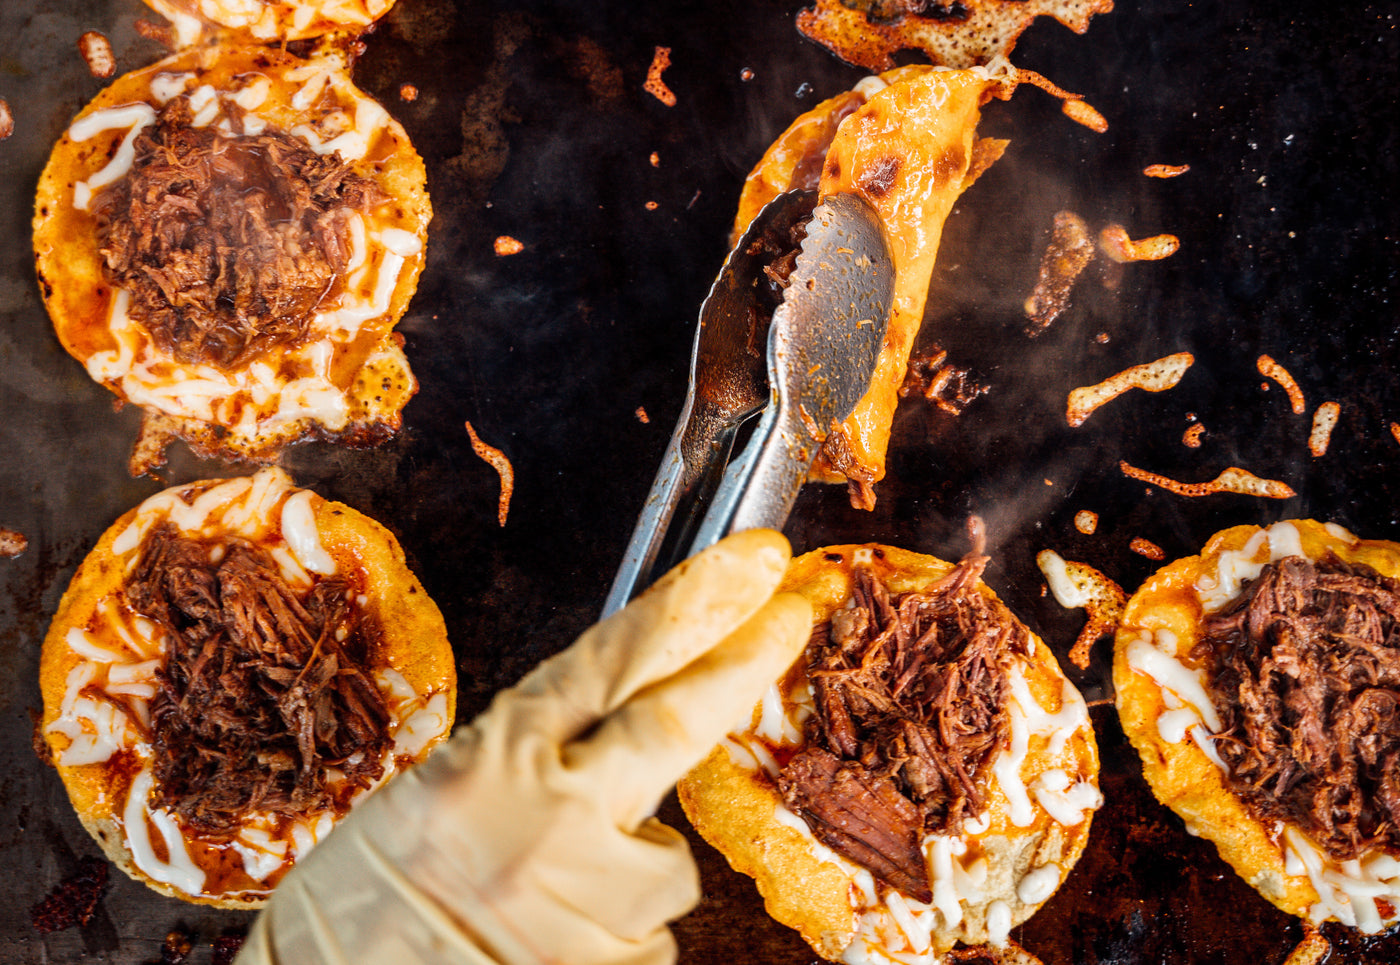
[[728, 385], [821, 349]]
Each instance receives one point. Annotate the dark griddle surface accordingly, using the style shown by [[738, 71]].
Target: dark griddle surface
[[533, 123]]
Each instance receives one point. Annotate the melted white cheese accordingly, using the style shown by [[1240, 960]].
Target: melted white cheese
[[1027, 718], [178, 869], [135, 117], [422, 727], [1171, 674], [939, 851], [1347, 891], [1235, 568], [1067, 803], [299, 530], [1039, 883]]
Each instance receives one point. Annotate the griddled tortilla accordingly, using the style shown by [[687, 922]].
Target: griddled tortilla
[[270, 20], [1259, 682], [984, 853], [226, 239], [235, 664], [905, 142]]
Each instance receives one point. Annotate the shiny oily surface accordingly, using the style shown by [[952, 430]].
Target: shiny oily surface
[[571, 357]]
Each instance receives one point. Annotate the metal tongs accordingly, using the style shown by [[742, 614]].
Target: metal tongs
[[822, 346]]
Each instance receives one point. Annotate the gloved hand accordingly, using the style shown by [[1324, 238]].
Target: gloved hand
[[529, 837]]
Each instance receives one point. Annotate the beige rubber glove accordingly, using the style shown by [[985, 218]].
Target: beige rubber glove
[[528, 837]]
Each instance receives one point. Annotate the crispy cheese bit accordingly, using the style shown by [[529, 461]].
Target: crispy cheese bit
[[1070, 251], [1077, 585], [651, 205], [408, 92], [1156, 376], [1324, 421], [1086, 521], [501, 464], [506, 245], [157, 432], [1081, 112], [1191, 438], [1312, 950], [1232, 480], [97, 51], [655, 86], [1166, 170], [655, 159], [161, 33], [1117, 245], [642, 416], [966, 34], [12, 543], [1271, 369], [1395, 431], [7, 120], [1147, 548]]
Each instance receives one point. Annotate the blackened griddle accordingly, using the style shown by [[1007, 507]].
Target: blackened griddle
[[571, 357]]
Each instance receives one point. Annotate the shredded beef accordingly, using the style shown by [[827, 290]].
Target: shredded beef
[[776, 252], [226, 242], [261, 688], [910, 712], [1304, 670]]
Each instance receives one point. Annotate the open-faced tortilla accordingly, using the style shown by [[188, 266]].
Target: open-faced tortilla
[[235, 664], [1327, 702], [1008, 844], [227, 238], [906, 143], [267, 21]]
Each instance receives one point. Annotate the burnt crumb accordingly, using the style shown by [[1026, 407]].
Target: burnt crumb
[[12, 543], [162, 34], [73, 902], [226, 946], [946, 386], [42, 750], [176, 948]]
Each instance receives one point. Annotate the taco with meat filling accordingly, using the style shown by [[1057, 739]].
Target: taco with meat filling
[[268, 21], [923, 777], [226, 239], [233, 667], [1260, 683], [906, 143]]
